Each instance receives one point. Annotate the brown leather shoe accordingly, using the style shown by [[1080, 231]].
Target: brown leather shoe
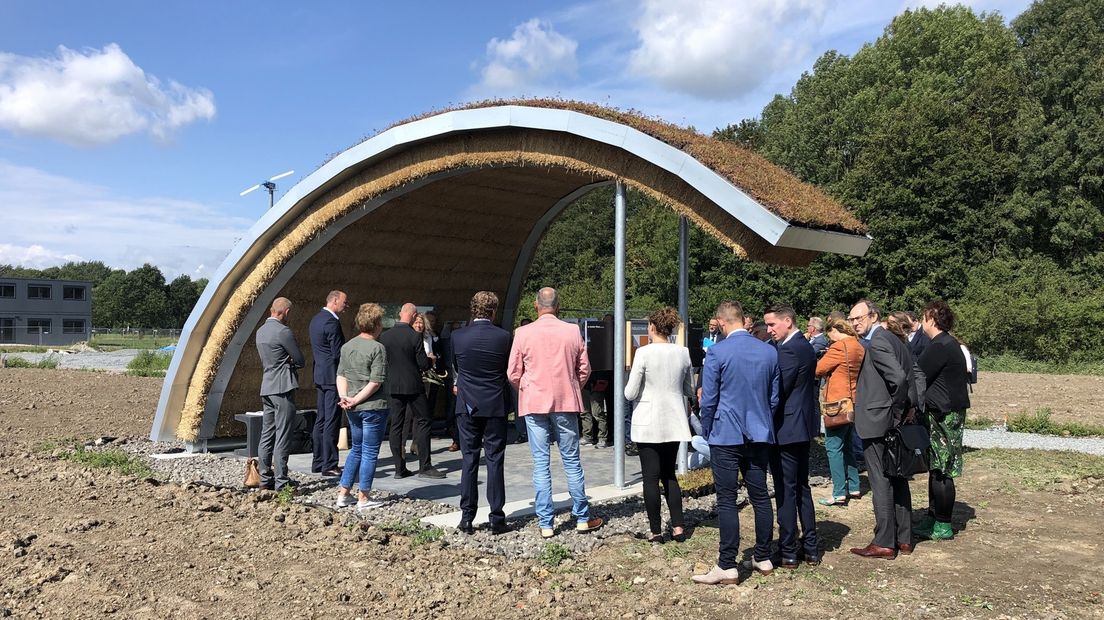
[[455, 447], [904, 549], [874, 551]]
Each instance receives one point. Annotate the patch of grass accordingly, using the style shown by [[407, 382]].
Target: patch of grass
[[675, 550], [554, 554], [285, 495], [19, 362], [1039, 468], [117, 460], [697, 482], [20, 348], [1041, 423], [114, 342], [1012, 363], [428, 535], [149, 364], [980, 423]]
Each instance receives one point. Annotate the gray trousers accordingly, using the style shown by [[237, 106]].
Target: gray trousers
[[593, 420], [892, 499], [279, 411]]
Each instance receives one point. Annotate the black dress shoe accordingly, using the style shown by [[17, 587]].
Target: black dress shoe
[[404, 473], [332, 473], [466, 527], [499, 528], [521, 439], [431, 473], [790, 563]]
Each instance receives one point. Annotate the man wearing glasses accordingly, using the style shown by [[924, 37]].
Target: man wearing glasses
[[881, 396]]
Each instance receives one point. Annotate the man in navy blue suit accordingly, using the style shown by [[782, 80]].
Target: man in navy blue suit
[[326, 340], [796, 423], [480, 355], [740, 384]]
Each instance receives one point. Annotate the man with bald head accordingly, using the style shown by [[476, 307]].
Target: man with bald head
[[548, 366], [406, 361], [281, 360]]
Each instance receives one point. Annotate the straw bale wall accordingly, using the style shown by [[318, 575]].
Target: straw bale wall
[[434, 245]]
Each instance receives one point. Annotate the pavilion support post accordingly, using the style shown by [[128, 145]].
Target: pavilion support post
[[619, 335], [684, 307]]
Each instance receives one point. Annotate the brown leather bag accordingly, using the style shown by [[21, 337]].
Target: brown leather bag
[[838, 412], [252, 474]]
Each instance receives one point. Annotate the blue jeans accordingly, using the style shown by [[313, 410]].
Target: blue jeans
[[701, 449], [366, 432], [751, 460], [841, 460], [563, 428]]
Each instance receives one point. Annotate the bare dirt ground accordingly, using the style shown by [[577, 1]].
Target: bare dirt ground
[[77, 542], [1071, 398]]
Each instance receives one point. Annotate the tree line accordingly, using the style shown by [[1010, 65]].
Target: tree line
[[973, 150], [139, 298]]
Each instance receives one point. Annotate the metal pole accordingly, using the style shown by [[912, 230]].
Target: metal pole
[[684, 306], [619, 335]]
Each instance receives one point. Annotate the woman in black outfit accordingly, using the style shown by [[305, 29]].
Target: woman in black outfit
[[947, 400]]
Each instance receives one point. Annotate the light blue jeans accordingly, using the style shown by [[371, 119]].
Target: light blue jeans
[[366, 431], [563, 428], [700, 456]]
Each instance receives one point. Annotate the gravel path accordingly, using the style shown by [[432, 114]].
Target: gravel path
[[113, 361], [1000, 437]]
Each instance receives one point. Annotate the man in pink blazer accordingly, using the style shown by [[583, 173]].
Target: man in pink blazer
[[548, 366]]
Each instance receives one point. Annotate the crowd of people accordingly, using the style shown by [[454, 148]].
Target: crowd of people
[[762, 397]]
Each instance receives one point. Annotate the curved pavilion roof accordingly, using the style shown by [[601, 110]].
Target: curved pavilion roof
[[438, 207]]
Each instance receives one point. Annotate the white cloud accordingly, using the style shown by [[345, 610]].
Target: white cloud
[[50, 219], [535, 54], [93, 97], [720, 49]]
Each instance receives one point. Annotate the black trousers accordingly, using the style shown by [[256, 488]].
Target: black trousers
[[327, 425], [489, 435], [657, 465], [892, 499], [413, 405], [793, 500]]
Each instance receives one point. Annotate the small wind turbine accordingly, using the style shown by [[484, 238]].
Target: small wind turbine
[[270, 186]]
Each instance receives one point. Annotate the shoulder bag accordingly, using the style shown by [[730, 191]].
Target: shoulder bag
[[906, 449], [838, 412]]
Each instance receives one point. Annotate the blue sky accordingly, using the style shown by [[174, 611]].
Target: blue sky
[[127, 129]]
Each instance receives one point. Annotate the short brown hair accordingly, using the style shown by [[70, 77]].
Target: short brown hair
[[783, 311], [841, 326], [899, 324], [369, 318], [937, 310], [483, 305], [729, 311], [666, 321]]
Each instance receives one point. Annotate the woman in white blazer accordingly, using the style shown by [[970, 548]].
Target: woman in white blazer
[[660, 382]]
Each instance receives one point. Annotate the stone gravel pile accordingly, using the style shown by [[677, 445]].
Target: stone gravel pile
[[108, 361]]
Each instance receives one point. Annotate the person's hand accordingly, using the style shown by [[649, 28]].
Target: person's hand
[[455, 391], [699, 396], [345, 403]]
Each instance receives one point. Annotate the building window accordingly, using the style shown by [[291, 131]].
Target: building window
[[39, 292], [38, 326], [73, 293], [7, 330], [7, 291], [72, 326]]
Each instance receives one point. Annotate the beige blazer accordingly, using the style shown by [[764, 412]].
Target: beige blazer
[[660, 382]]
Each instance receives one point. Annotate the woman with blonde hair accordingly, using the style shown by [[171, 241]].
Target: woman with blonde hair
[[660, 383], [840, 364], [361, 385]]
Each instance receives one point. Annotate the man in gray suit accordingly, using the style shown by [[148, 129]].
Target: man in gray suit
[[281, 359], [883, 393]]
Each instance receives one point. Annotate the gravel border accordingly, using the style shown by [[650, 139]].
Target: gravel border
[[1001, 437]]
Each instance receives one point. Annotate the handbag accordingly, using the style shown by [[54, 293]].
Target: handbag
[[838, 412], [252, 474], [906, 450]]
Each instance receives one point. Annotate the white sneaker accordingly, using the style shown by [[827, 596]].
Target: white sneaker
[[344, 501], [718, 576], [763, 568], [547, 532], [368, 504]]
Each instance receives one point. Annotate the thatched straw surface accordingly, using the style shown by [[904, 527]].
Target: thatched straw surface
[[435, 245]]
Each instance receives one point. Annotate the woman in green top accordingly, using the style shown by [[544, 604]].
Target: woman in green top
[[361, 377]]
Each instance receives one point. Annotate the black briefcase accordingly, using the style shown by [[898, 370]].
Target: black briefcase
[[906, 450]]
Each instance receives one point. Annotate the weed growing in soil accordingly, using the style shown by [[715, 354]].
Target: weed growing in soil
[[1039, 468], [696, 482], [18, 362], [980, 423], [554, 554], [285, 495], [422, 534], [118, 460], [428, 535], [149, 364], [1041, 423]]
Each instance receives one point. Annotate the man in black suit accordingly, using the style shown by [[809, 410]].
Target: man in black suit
[[882, 394], [326, 340], [406, 361], [480, 355], [917, 339], [796, 423]]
